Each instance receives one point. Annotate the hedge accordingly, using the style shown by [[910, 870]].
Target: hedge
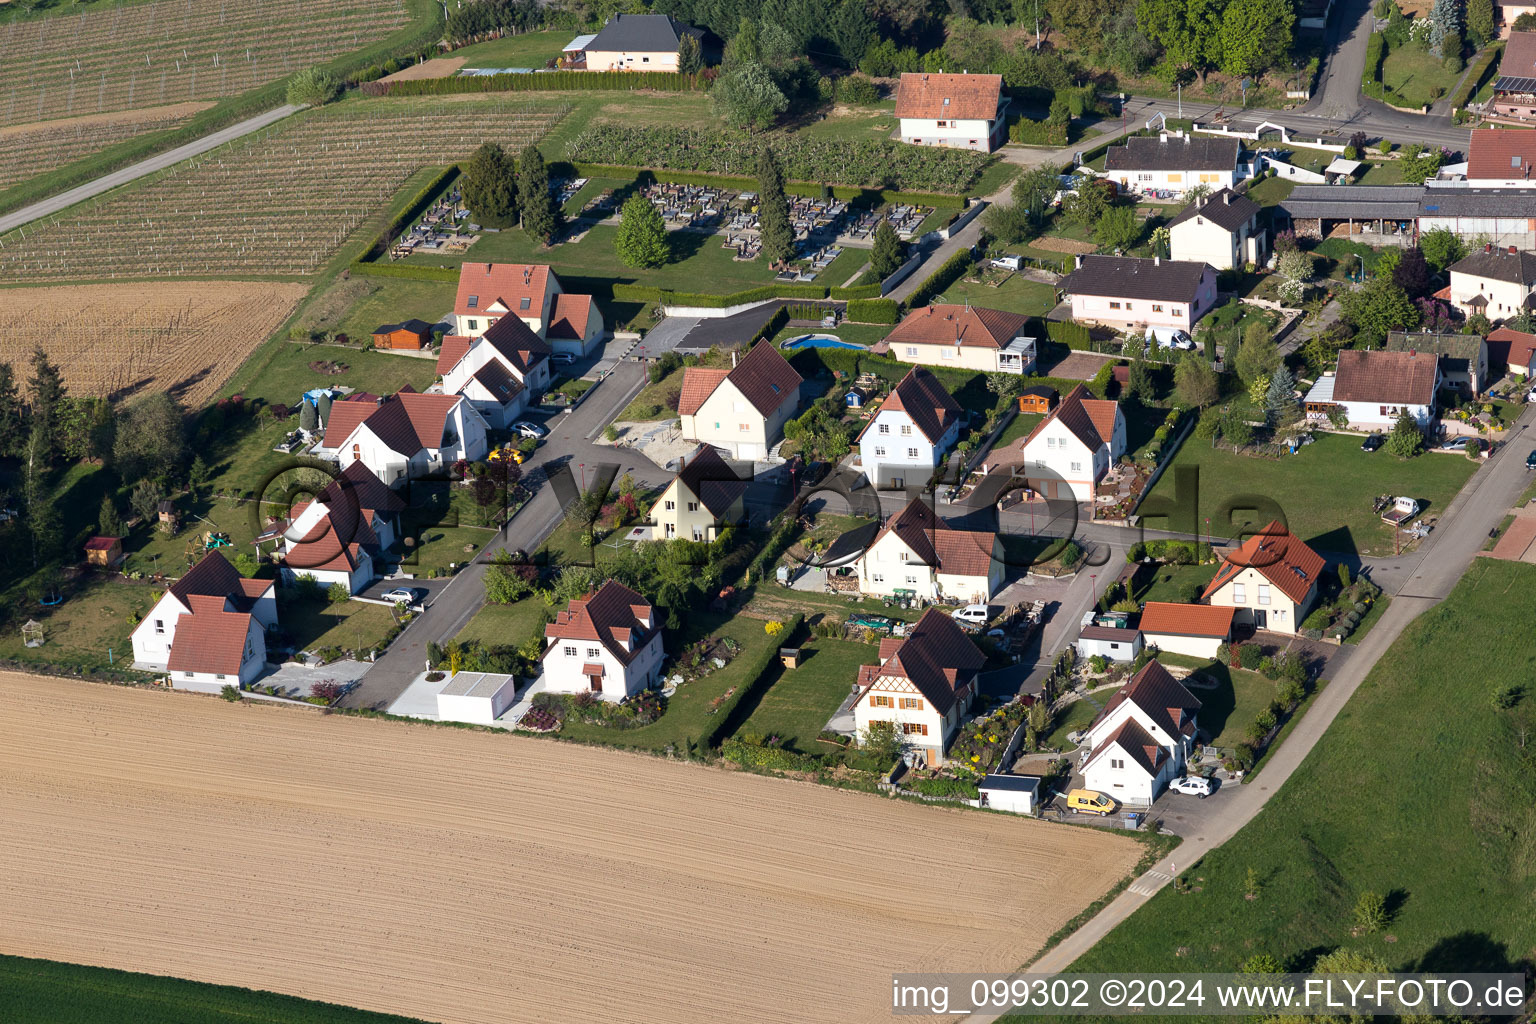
[[419, 202], [1375, 53], [773, 326], [1072, 335], [757, 675], [1478, 76], [1037, 133], [948, 273], [849, 193], [408, 272], [858, 291], [552, 81], [874, 311]]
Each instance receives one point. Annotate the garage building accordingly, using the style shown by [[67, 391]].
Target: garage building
[[476, 697]]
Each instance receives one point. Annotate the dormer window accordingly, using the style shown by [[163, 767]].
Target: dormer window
[[524, 303], [474, 302]]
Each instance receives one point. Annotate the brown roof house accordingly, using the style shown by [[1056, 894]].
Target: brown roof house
[[208, 630], [405, 435], [959, 111], [704, 498], [924, 684], [1069, 451], [1142, 739], [741, 411], [1501, 158], [1134, 293], [531, 292], [607, 643], [917, 554], [1221, 229], [342, 535], [1514, 349], [1494, 282], [1463, 357], [911, 433], [963, 337], [500, 372], [1514, 91], [1174, 162], [1373, 387], [1270, 581]]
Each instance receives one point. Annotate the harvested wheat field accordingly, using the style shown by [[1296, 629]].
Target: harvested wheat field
[[465, 876], [185, 337]]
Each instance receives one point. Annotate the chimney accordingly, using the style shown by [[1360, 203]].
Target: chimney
[[1512, 250], [1077, 261], [1487, 247], [1157, 261], [1226, 197], [488, 270], [733, 359], [1413, 352]]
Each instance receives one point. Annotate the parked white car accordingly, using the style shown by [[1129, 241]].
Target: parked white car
[[974, 614], [403, 595], [1008, 261], [1170, 337], [522, 428], [1191, 785]]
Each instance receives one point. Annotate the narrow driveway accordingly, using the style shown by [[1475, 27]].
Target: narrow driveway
[[1446, 555], [570, 444], [122, 176], [1338, 84]]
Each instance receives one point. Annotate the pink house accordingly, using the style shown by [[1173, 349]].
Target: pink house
[[1133, 293]]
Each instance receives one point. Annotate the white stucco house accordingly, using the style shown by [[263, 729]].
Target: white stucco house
[[924, 684], [638, 42], [1373, 387], [1142, 739], [499, 373], [1133, 293], [964, 337], [405, 435], [607, 643], [705, 497], [1069, 451], [917, 554], [959, 111], [1221, 229], [911, 433], [1497, 283], [531, 292], [742, 410], [1270, 581], [208, 630], [1175, 162]]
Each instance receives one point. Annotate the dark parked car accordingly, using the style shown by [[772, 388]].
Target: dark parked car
[[1372, 443]]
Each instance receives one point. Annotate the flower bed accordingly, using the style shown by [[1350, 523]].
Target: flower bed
[[641, 709]]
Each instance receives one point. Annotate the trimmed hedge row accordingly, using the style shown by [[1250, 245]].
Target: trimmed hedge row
[[1478, 76], [1375, 53], [647, 293], [950, 271], [1037, 133], [405, 271], [758, 673], [1073, 335], [874, 311], [854, 292], [552, 81], [419, 202]]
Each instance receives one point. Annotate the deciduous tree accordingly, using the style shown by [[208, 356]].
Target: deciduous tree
[[151, 441], [1255, 35], [1441, 247], [747, 96], [1118, 227], [1378, 308], [642, 237], [1194, 382], [1412, 273]]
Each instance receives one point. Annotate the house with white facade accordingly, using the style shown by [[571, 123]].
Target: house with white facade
[[342, 534], [531, 292], [1270, 581], [924, 684], [638, 42], [741, 410], [1373, 387], [958, 111], [405, 435], [704, 498], [1193, 630], [208, 630], [1463, 357], [917, 554], [501, 372], [1069, 451], [608, 643], [911, 433], [966, 337], [1494, 282], [1221, 229], [1174, 162], [1133, 293], [1142, 739], [1115, 643]]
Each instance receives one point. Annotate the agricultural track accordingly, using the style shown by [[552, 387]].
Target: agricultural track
[[279, 202], [463, 876], [168, 51], [182, 337]]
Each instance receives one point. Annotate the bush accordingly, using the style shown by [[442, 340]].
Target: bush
[[858, 90], [874, 311], [1249, 656], [1098, 664], [1371, 912], [945, 787], [313, 87], [229, 692], [337, 592]]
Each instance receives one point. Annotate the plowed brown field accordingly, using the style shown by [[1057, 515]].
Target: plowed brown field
[[184, 337], [461, 876]]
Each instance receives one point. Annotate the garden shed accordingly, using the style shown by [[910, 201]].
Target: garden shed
[[1015, 793], [476, 697], [104, 551]]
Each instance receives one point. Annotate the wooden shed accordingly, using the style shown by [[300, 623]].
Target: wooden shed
[[790, 657], [1039, 398], [170, 519], [411, 335], [104, 551]]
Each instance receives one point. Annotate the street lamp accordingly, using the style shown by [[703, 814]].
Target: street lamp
[[1093, 587], [583, 466]]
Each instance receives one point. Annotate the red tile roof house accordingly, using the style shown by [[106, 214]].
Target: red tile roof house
[[342, 535], [1372, 387], [1193, 630], [917, 554], [963, 337], [1069, 451], [1514, 349], [500, 372], [208, 630], [1142, 739], [925, 683], [958, 111], [488, 292], [1501, 158], [1132, 293], [742, 410], [608, 643], [1270, 581], [911, 433], [405, 435]]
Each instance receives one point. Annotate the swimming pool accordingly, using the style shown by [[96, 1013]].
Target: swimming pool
[[821, 341]]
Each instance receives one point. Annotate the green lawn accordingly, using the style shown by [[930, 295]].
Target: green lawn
[[876, 122], [1079, 715], [1169, 582], [507, 624], [49, 992], [798, 705], [1421, 791], [1017, 294], [1227, 710], [150, 549], [283, 374], [1270, 191], [1324, 492], [356, 306], [92, 620], [350, 625], [528, 50], [1383, 172], [1022, 424], [1417, 76]]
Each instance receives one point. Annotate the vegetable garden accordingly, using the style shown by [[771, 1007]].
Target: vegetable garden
[[867, 162], [281, 202], [168, 51]]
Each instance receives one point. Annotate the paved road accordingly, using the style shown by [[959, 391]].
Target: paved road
[[1445, 556], [122, 176], [1338, 85], [570, 443]]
